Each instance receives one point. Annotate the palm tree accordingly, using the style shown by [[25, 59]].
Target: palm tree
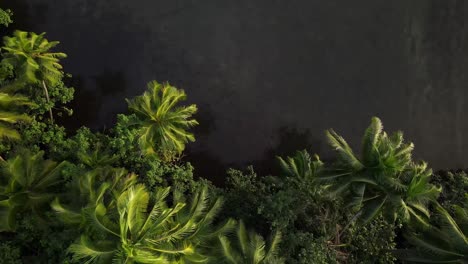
[[383, 179], [302, 170], [125, 231], [96, 158], [9, 106], [27, 183], [86, 190], [249, 247], [32, 61], [162, 125], [445, 243]]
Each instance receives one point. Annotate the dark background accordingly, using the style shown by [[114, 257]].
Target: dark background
[[270, 76]]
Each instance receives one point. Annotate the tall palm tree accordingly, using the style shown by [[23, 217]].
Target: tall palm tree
[[162, 125], [383, 179], [249, 247], [445, 243], [27, 183], [32, 61], [132, 231], [9, 114]]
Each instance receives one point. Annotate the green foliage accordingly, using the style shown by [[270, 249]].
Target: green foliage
[[34, 68], [40, 240], [249, 247], [10, 108], [30, 56], [302, 171], [85, 190], [9, 254], [454, 187], [269, 203], [156, 172], [162, 125], [311, 250], [311, 223], [383, 179], [125, 230], [27, 184], [372, 243], [446, 242], [5, 17]]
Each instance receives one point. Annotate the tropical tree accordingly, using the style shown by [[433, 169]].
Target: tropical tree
[[33, 63], [27, 183], [5, 17], [302, 170], [162, 125], [384, 179], [125, 231], [96, 158], [87, 189], [10, 106], [446, 242], [249, 247]]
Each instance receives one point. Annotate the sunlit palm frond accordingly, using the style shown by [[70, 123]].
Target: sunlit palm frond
[[162, 125], [382, 178]]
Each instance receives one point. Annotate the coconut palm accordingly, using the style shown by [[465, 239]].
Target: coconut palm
[[384, 178], [162, 125], [10, 106], [102, 183], [445, 243], [302, 170], [27, 183], [249, 247], [32, 61], [134, 228]]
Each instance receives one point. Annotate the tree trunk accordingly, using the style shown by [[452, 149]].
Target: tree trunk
[[48, 100]]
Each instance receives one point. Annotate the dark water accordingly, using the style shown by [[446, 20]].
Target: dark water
[[270, 76]]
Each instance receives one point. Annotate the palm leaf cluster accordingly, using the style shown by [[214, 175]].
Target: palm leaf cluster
[[27, 183], [249, 247], [162, 125], [10, 113], [384, 178], [30, 56], [124, 223], [86, 190], [32, 61], [446, 242], [303, 170]]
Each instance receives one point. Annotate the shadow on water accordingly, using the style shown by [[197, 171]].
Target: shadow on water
[[87, 103], [290, 140], [206, 164]]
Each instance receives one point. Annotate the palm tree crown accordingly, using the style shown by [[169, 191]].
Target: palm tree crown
[[136, 227], [163, 125], [249, 247], [27, 182], [383, 178], [30, 56], [445, 243]]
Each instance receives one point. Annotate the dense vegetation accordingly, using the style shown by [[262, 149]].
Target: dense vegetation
[[126, 196]]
